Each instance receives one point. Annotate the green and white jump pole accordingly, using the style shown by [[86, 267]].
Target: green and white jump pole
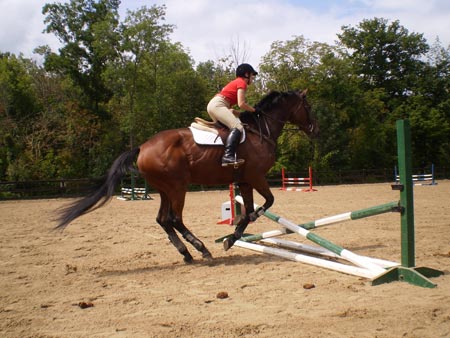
[[347, 216]]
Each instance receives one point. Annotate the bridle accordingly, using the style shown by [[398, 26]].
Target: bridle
[[310, 127], [300, 105]]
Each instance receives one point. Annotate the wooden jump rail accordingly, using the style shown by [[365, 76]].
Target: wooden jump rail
[[426, 179], [133, 193], [297, 181]]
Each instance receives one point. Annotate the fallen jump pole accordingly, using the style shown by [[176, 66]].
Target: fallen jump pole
[[315, 250], [348, 269], [344, 253], [353, 215], [322, 251]]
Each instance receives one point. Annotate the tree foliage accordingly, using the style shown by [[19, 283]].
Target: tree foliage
[[385, 55], [114, 83], [88, 32]]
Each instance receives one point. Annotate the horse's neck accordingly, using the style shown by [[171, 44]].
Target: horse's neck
[[268, 128], [276, 125]]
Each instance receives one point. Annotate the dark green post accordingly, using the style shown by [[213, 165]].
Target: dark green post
[[147, 191], [407, 272], [407, 194], [133, 183]]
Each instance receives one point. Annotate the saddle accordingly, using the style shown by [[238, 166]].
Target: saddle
[[210, 133]]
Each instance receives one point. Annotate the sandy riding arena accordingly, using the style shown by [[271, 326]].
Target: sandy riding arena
[[113, 273]]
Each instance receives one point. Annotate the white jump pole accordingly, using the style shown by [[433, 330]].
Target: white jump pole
[[322, 251], [348, 269]]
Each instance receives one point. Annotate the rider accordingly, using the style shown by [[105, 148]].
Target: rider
[[219, 109]]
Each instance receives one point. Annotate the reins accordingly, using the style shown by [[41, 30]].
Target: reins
[[259, 131], [266, 116]]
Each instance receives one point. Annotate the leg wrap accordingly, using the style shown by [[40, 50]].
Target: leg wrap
[[256, 214], [240, 227]]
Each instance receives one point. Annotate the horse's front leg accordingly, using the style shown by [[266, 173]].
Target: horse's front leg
[[247, 195], [264, 190]]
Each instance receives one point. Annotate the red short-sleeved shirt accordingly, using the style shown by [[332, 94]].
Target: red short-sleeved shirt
[[231, 89]]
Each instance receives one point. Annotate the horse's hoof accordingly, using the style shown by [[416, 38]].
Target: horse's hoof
[[188, 259], [228, 243], [207, 256]]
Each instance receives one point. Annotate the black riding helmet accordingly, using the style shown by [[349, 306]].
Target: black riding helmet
[[245, 68]]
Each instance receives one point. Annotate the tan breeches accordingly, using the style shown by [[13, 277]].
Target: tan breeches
[[219, 110]]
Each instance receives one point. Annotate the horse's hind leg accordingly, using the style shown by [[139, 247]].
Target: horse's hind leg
[[177, 209], [165, 219], [191, 238]]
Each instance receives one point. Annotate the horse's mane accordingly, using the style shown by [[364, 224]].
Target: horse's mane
[[269, 100], [273, 98], [266, 104]]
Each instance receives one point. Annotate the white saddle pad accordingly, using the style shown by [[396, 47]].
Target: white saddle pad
[[209, 138]]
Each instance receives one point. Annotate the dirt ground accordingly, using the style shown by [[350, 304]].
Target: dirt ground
[[113, 273]]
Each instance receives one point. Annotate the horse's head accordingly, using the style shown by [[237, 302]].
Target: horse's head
[[277, 108], [301, 114]]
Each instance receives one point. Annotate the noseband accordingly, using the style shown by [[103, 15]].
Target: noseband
[[310, 127]]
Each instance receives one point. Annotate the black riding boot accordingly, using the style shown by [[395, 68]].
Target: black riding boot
[[229, 158]]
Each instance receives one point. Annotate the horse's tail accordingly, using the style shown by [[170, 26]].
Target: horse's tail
[[105, 191]]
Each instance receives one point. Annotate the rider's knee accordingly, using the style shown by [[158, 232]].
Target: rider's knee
[[238, 125]]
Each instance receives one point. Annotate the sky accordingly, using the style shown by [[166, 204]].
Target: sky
[[209, 29]]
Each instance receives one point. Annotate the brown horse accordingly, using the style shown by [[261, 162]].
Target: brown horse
[[171, 160]]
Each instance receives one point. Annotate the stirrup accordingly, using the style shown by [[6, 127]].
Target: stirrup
[[237, 163]]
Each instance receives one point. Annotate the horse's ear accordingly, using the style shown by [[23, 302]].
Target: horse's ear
[[304, 92]]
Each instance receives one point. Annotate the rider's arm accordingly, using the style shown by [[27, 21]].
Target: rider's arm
[[241, 101]]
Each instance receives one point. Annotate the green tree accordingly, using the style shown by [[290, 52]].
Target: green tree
[[299, 63], [352, 135], [87, 30], [143, 38], [385, 54], [181, 91], [289, 64], [215, 75], [435, 82], [154, 82], [388, 58], [428, 108], [17, 97], [19, 110]]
